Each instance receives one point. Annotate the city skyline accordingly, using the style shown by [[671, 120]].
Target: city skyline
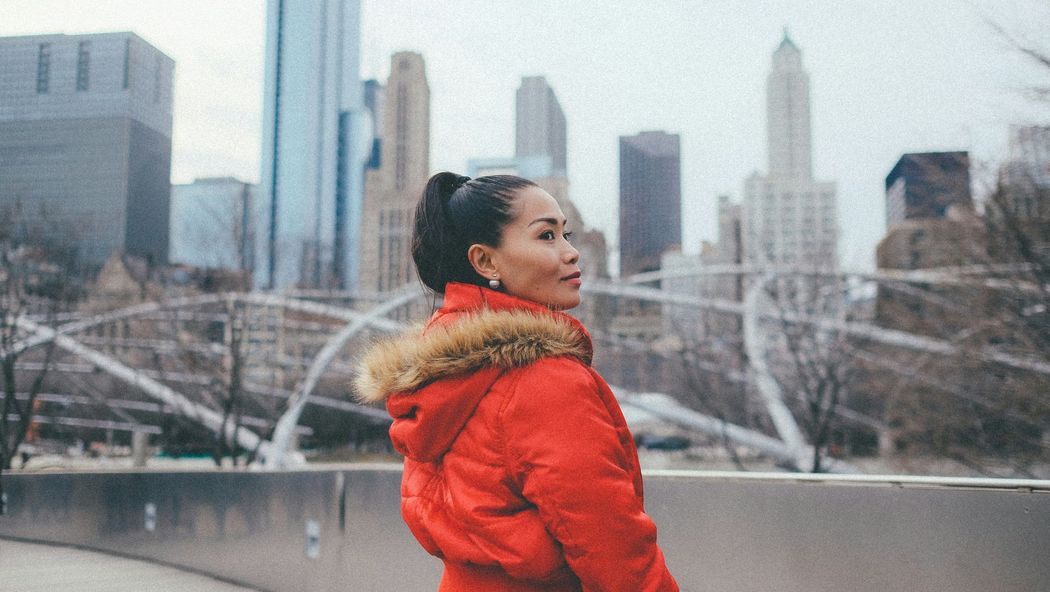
[[883, 86]]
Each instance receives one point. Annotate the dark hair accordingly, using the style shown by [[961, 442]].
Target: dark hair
[[454, 213]]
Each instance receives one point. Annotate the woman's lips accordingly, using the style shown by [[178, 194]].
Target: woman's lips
[[573, 279]]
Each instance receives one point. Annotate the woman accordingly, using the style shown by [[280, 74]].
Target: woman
[[520, 473]]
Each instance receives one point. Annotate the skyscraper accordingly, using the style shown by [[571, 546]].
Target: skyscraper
[[540, 124], [316, 142], [790, 219], [392, 190], [650, 199], [789, 136], [85, 139]]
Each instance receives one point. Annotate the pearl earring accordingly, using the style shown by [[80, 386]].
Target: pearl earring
[[494, 283]]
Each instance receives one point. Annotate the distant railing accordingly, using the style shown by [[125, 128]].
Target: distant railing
[[339, 528]]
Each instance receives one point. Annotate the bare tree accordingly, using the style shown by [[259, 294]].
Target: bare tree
[[711, 361], [223, 362], [30, 283], [220, 233], [233, 395], [813, 364]]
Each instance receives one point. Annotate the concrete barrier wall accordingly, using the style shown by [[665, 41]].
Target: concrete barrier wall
[[340, 529]]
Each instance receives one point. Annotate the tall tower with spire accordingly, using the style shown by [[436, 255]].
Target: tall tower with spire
[[787, 115], [790, 219]]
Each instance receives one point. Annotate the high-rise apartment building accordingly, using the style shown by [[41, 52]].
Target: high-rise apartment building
[[316, 143], [789, 218], [85, 143], [213, 224], [540, 124], [650, 199], [392, 190], [925, 185]]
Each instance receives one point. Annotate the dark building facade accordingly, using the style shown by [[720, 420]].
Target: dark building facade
[[926, 184], [650, 199], [85, 143]]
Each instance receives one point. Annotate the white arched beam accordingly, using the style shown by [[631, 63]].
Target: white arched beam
[[877, 334], [767, 386], [189, 409], [283, 432], [665, 408], [956, 275], [150, 308]]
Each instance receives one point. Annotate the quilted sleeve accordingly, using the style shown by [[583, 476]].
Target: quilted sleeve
[[564, 453]]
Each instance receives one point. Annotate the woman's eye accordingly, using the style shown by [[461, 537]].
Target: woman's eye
[[568, 235], [547, 235]]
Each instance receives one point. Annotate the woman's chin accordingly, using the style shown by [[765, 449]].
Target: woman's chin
[[565, 303]]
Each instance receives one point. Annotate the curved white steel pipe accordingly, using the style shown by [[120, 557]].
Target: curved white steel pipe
[[193, 411], [767, 386], [872, 332], [934, 275]]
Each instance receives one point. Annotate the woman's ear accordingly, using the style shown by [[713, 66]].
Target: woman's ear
[[481, 258]]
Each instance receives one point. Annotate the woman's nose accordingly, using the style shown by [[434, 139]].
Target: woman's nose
[[571, 254]]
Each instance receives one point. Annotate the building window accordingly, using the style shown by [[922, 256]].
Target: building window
[[43, 68], [127, 61], [83, 64]]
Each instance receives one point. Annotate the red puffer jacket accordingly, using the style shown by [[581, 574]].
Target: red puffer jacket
[[520, 473]]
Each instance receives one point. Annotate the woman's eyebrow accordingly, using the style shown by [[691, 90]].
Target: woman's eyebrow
[[551, 221]]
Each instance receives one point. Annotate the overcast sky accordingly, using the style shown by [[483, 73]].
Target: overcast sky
[[887, 77]]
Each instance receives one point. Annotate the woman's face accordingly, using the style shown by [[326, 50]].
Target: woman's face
[[535, 260]]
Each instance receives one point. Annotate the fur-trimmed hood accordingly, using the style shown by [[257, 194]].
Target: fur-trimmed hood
[[433, 380], [485, 338]]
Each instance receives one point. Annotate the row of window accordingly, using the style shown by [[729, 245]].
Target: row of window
[[43, 68]]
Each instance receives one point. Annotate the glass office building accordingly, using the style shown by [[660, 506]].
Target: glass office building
[[316, 142]]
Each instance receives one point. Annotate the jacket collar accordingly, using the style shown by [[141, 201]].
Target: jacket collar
[[468, 298]]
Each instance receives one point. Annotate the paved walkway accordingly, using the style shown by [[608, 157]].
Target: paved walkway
[[26, 567]]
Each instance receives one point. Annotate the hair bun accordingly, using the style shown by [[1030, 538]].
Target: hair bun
[[460, 181]]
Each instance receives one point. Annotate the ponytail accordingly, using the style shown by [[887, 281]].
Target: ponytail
[[454, 213]]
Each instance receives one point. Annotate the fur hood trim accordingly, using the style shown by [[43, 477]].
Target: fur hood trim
[[505, 339]]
